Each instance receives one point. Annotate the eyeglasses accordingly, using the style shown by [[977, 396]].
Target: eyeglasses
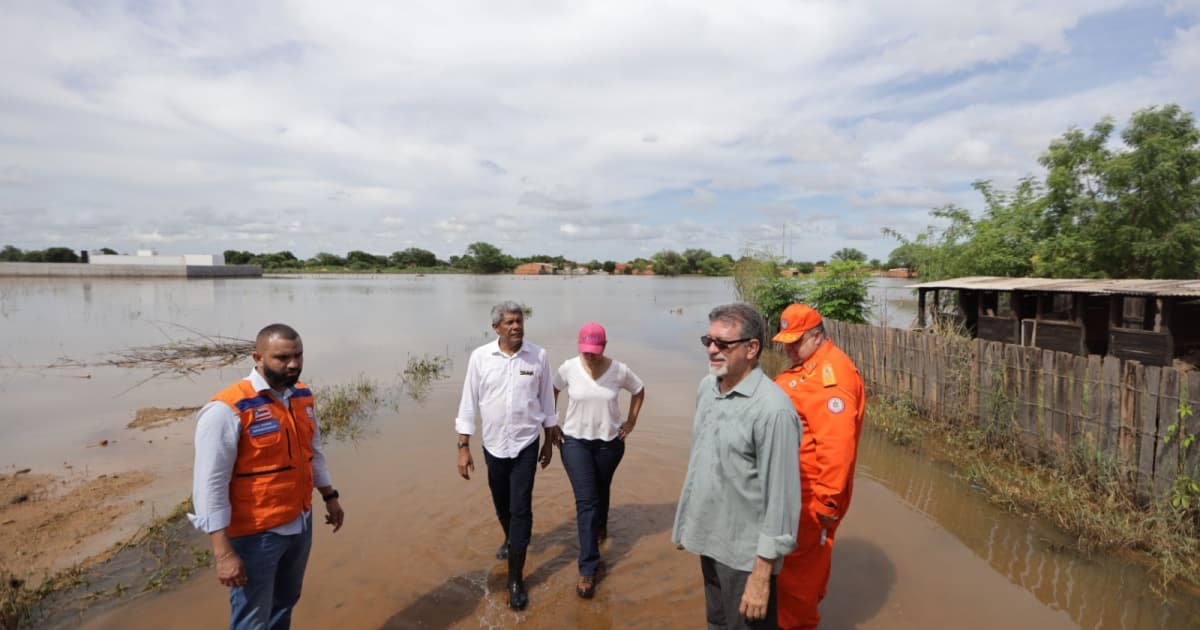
[[721, 344]]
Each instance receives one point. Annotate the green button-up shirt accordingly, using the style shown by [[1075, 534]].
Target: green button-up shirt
[[741, 496]]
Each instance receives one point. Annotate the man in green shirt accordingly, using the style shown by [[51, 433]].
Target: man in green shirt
[[740, 503]]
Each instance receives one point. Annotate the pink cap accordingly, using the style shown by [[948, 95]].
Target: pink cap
[[592, 338]]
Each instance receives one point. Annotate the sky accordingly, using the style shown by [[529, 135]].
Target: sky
[[602, 130]]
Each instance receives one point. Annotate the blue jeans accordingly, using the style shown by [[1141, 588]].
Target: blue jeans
[[591, 465], [511, 483], [274, 574]]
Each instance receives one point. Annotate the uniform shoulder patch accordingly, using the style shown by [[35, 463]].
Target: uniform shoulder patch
[[828, 378], [836, 405]]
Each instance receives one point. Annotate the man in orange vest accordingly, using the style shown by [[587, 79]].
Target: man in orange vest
[[258, 458], [828, 394]]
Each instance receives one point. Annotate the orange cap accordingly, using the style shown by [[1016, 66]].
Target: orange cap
[[796, 320]]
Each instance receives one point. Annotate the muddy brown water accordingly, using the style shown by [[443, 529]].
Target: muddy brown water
[[920, 548]]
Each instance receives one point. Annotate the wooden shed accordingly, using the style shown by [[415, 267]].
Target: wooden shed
[[1151, 321]]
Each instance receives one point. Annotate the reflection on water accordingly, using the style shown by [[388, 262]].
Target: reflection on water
[[1098, 592]]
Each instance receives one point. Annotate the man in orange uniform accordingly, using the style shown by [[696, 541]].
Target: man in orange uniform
[[828, 394]]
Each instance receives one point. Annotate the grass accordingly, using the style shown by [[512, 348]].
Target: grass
[[420, 373], [1082, 494], [344, 410]]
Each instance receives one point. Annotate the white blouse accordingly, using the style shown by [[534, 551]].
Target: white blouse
[[592, 411]]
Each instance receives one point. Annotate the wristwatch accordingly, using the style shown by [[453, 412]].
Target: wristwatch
[[331, 496], [464, 445]]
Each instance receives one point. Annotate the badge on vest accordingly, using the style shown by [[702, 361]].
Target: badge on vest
[[262, 413], [263, 427], [836, 405]]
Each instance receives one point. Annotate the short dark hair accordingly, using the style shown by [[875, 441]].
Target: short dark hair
[[283, 331], [752, 323]]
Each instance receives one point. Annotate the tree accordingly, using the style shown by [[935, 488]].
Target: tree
[[875, 263], [610, 266], [841, 292], [11, 253], [715, 266], [692, 259], [849, 253], [235, 257], [325, 259], [804, 267], [413, 257], [1122, 214], [669, 263], [487, 258], [108, 251]]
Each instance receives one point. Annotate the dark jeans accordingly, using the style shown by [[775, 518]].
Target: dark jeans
[[511, 481], [591, 465], [274, 574], [723, 588]]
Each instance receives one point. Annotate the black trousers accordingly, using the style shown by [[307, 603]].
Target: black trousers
[[723, 588], [511, 482]]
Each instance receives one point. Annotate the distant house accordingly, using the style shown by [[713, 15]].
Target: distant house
[[1152, 321], [535, 269], [620, 268]]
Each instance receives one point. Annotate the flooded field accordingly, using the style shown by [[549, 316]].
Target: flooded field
[[920, 549]]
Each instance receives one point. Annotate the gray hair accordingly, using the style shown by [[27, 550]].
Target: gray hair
[[503, 308], [751, 321]]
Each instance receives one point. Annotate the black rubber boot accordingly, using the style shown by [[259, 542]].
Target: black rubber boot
[[518, 599], [502, 552]]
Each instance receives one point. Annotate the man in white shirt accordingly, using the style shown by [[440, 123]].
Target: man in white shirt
[[509, 388], [258, 458]]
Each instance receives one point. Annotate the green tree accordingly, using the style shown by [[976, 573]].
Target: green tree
[[804, 267], [11, 253], [849, 253], [235, 257], [692, 259], [715, 266], [840, 292], [669, 263], [487, 258], [325, 259], [61, 255], [1125, 213], [610, 266], [413, 257], [108, 251]]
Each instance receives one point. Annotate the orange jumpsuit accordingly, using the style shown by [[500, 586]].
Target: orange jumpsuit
[[829, 396]]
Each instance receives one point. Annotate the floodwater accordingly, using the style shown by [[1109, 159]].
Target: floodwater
[[919, 549]]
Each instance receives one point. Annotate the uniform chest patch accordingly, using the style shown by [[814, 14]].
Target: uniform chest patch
[[262, 413], [836, 405], [263, 427]]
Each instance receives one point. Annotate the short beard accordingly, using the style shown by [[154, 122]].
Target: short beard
[[718, 371], [279, 380]]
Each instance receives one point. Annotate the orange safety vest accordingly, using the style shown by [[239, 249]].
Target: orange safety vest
[[272, 479]]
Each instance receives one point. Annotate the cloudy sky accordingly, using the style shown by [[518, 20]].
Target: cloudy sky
[[592, 129]]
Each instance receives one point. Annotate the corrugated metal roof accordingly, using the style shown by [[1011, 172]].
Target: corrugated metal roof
[[1168, 288]]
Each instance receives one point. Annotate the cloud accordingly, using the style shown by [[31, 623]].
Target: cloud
[[649, 125]]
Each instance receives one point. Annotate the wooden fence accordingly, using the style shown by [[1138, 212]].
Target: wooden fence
[[1056, 403]]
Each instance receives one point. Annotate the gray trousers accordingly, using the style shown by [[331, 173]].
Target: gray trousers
[[723, 588]]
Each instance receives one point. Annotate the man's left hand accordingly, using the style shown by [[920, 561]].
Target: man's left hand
[[334, 514], [755, 596]]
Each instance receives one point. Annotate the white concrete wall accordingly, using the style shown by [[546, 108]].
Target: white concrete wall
[[195, 260]]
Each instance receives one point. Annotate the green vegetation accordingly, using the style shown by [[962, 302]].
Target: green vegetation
[[838, 292], [420, 373], [691, 261], [1129, 212], [52, 255], [343, 410]]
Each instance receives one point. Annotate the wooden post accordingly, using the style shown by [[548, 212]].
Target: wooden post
[[1166, 306], [921, 308], [1078, 305]]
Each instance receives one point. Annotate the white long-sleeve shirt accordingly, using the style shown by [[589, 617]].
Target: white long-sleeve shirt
[[513, 396], [218, 430]]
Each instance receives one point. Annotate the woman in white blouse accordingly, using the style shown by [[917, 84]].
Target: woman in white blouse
[[593, 438]]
